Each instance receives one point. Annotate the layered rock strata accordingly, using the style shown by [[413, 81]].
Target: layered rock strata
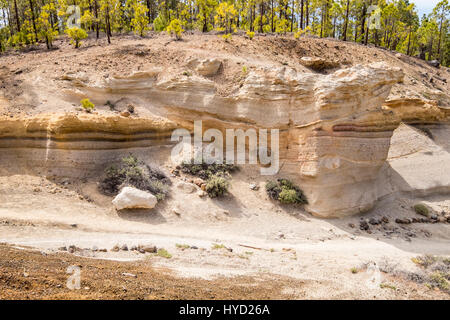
[[335, 129]]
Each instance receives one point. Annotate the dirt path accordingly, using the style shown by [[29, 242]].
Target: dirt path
[[27, 274], [262, 252]]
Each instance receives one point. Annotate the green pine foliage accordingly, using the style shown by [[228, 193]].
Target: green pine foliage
[[394, 24]]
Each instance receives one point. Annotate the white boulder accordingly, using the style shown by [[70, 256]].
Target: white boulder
[[132, 198], [208, 67]]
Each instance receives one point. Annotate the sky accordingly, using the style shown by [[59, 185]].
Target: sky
[[424, 6]]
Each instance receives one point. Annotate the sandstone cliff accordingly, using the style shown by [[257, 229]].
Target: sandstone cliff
[[335, 126]]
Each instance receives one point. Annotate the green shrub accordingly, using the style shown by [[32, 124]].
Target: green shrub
[[421, 209], [76, 34], [87, 105], [250, 34], [163, 253], [175, 29], [205, 171], [217, 175], [438, 279], [160, 23], [285, 191], [217, 185], [288, 196], [132, 172], [227, 37]]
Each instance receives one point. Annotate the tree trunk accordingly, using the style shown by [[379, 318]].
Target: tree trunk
[[261, 15], [301, 14], [363, 20], [205, 23], [321, 21], [307, 13], [346, 20], [108, 26], [271, 4], [149, 7], [409, 41], [17, 16], [34, 20], [292, 16], [97, 32]]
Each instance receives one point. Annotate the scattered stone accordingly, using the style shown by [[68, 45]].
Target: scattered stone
[[351, 225], [133, 248], [374, 221], [72, 249], [37, 190], [115, 248], [126, 274], [254, 187], [94, 248], [194, 247], [434, 63], [363, 225], [62, 248], [403, 221], [74, 225], [385, 219], [124, 247], [103, 250], [132, 198], [280, 235], [130, 108], [176, 210], [147, 249], [186, 187], [125, 114]]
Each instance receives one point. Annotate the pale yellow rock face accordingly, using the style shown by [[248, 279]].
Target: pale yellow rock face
[[335, 129]]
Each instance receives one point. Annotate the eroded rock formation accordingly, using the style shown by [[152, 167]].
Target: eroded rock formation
[[335, 129]]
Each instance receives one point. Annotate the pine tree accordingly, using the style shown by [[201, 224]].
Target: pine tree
[[140, 19]]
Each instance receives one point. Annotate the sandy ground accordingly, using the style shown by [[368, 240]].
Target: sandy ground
[[303, 257]]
